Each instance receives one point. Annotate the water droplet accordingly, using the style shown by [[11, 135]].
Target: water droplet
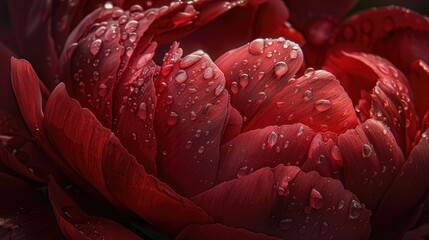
[[95, 47], [272, 139], [107, 52], [208, 73], [102, 90], [297, 88], [366, 150], [190, 60], [316, 199], [207, 108], [242, 172], [244, 80], [322, 105], [95, 75], [383, 68], [308, 95], [355, 209], [336, 153], [262, 96], [188, 145], [117, 13], [280, 69], [136, 8], [286, 145], [260, 75], [300, 130], [142, 111], [181, 76], [341, 204], [256, 47], [219, 89], [309, 72], [100, 31], [234, 87], [133, 37], [172, 119], [293, 54], [70, 50], [201, 149], [131, 26], [324, 228], [193, 115], [285, 224]]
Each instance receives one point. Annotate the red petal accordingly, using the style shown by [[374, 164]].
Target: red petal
[[404, 46], [24, 212], [369, 29], [134, 109], [271, 22], [11, 125], [265, 93], [67, 15], [101, 54], [8, 101], [26, 86], [233, 126], [254, 80], [306, 13], [25, 158], [391, 95], [78, 137], [419, 80], [325, 157], [372, 160], [32, 26], [278, 202], [75, 224], [216, 231], [191, 110], [144, 194], [267, 147], [396, 212]]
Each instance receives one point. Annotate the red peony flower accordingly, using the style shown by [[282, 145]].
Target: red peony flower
[[231, 134]]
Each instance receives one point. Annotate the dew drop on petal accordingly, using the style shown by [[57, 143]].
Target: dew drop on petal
[[322, 105], [293, 54], [190, 60], [244, 80], [201, 149], [188, 145], [341, 204], [366, 150], [102, 90], [316, 199], [234, 87], [219, 89], [208, 73], [309, 72], [272, 139], [256, 47], [280, 68], [308, 95], [355, 209], [285, 224], [95, 47], [336, 153], [181, 76], [142, 111], [172, 119]]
